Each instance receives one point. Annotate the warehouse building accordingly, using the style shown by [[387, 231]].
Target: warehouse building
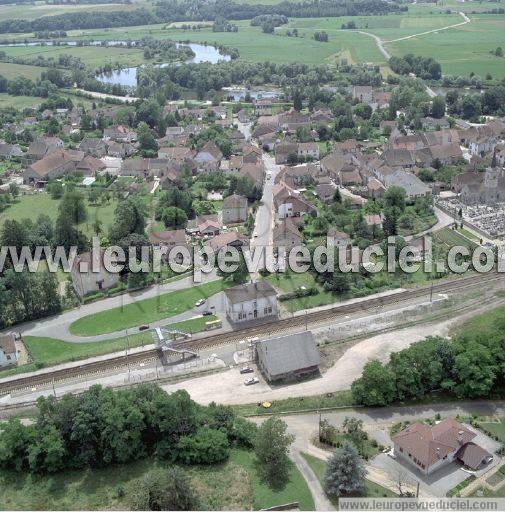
[[288, 357]]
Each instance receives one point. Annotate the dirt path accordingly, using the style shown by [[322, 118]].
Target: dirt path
[[466, 20]]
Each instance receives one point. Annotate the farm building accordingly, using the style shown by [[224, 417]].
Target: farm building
[[288, 357]]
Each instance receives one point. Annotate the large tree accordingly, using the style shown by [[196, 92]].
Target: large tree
[[272, 447], [345, 472], [376, 386]]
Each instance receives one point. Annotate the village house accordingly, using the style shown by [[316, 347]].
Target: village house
[[254, 172], [120, 149], [412, 185], [431, 123], [120, 133], [234, 209], [169, 240], [284, 149], [337, 238], [363, 93], [289, 357], [326, 192], [308, 150], [8, 352], [263, 107], [208, 227], [208, 158], [43, 146], [250, 301], [89, 274], [8, 151], [429, 448], [93, 146], [55, 165], [286, 235], [228, 239]]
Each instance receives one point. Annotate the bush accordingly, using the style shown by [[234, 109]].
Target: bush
[[299, 293], [161, 489], [207, 446]]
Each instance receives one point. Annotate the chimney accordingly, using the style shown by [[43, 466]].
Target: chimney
[[438, 453], [460, 436]]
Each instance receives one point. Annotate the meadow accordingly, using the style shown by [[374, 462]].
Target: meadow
[[233, 485], [11, 71], [31, 206], [460, 50], [33, 11]]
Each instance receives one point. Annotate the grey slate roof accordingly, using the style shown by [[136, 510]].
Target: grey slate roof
[[249, 291], [289, 353]]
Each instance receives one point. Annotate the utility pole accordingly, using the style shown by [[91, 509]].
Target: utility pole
[[431, 292]]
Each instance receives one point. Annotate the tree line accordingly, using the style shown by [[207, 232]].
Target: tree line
[[471, 365], [102, 427], [188, 10], [424, 67]]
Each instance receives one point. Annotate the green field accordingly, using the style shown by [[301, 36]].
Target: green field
[[11, 71], [234, 485], [31, 12], [338, 399], [460, 50], [18, 102], [144, 311], [463, 49]]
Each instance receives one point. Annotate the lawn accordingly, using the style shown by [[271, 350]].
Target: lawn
[[144, 311], [495, 429], [372, 490], [31, 206], [452, 238], [234, 485]]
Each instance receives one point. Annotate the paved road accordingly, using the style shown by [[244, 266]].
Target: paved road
[[321, 502], [265, 216], [58, 326]]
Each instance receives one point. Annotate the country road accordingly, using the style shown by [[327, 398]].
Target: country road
[[380, 42]]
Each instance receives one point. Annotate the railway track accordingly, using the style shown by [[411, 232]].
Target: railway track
[[277, 327]]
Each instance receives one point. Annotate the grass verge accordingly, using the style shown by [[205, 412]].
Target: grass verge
[[144, 311], [50, 351], [298, 404]]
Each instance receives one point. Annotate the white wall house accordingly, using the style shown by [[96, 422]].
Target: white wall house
[[250, 301], [8, 353], [85, 280]]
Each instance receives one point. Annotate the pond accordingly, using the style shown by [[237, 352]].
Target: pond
[[128, 76]]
